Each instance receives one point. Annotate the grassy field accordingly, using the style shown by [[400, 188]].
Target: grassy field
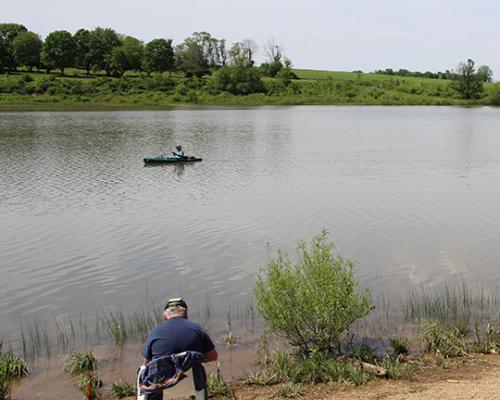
[[139, 90]]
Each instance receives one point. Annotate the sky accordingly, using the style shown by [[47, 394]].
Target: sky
[[419, 35]]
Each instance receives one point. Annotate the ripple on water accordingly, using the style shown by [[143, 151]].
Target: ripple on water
[[410, 193]]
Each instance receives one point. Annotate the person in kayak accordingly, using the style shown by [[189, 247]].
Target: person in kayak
[[179, 153]]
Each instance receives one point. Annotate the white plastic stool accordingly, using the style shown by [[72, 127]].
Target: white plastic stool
[[184, 388]]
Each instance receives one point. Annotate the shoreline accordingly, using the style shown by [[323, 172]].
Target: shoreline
[[105, 107]]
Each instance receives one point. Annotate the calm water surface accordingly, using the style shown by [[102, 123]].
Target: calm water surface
[[412, 194]]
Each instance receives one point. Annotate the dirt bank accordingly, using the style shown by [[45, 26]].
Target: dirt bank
[[479, 380]]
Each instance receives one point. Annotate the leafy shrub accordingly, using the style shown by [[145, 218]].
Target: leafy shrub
[[494, 94], [26, 78], [239, 80], [313, 302], [79, 362], [447, 342]]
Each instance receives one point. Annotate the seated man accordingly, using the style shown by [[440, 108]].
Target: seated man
[[176, 335], [179, 153]]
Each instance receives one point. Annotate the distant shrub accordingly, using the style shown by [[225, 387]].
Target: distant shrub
[[494, 94], [239, 80], [26, 78], [160, 83], [314, 302]]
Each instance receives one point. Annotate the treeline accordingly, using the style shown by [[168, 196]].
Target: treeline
[[102, 49], [484, 73]]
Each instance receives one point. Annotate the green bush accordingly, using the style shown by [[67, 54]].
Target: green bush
[[239, 80], [494, 94], [313, 303]]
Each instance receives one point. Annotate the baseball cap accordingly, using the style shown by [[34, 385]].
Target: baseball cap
[[176, 302]]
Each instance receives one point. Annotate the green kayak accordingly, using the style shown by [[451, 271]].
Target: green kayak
[[165, 159]]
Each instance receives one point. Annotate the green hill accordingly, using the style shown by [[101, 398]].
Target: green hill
[[310, 87]]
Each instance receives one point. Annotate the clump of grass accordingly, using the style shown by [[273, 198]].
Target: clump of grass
[[400, 346], [123, 389], [80, 362], [11, 368], [345, 372], [262, 378], [487, 342], [216, 386], [115, 325], [313, 368], [89, 385], [291, 390], [446, 341], [396, 369], [283, 366]]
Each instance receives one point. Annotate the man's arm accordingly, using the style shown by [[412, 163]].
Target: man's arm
[[211, 355]]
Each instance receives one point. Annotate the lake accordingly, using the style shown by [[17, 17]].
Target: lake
[[411, 193]]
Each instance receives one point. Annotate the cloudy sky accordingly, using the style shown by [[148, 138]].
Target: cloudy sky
[[319, 34]]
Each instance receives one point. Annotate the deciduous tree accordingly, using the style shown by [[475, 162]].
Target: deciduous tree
[[191, 59], [83, 59], [485, 74], [102, 42], [159, 56], [27, 47], [8, 32], [466, 82], [59, 50], [128, 56]]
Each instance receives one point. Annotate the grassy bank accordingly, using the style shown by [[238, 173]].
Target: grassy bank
[[311, 87]]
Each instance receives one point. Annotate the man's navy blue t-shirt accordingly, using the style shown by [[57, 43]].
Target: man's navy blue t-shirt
[[175, 336]]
